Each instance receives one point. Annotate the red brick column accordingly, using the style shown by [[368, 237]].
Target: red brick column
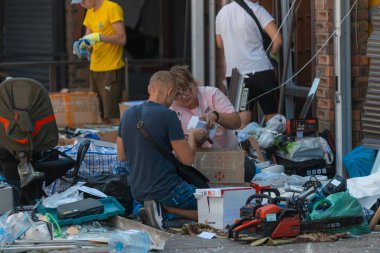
[[324, 25]]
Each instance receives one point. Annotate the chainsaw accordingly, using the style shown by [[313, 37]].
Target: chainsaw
[[279, 217]]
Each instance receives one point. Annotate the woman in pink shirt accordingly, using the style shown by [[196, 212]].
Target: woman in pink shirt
[[208, 103]]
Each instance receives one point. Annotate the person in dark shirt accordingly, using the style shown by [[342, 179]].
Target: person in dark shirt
[[153, 178]]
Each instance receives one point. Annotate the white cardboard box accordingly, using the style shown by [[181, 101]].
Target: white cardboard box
[[219, 207]]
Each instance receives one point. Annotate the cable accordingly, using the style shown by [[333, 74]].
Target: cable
[[50, 218], [312, 58]]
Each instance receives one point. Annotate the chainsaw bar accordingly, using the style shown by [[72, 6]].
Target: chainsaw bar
[[331, 223]]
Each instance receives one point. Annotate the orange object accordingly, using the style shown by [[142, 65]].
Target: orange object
[[267, 209], [288, 227]]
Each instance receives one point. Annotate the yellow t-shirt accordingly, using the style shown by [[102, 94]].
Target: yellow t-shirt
[[105, 56]]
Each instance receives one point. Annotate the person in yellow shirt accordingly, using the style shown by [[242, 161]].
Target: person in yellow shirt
[[105, 37]]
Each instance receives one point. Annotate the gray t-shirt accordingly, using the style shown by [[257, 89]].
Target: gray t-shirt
[[151, 175]]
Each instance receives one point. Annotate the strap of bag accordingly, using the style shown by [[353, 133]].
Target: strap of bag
[[145, 133], [250, 12]]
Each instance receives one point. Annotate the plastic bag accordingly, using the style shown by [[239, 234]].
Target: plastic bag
[[359, 161], [14, 226], [269, 178], [308, 149], [341, 204], [265, 136], [277, 123], [70, 195]]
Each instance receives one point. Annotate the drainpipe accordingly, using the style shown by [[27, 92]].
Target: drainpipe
[[197, 41], [342, 68]]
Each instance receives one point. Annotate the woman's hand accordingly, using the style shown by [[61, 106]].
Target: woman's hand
[[211, 119]]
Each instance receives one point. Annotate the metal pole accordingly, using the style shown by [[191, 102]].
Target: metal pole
[[197, 41], [342, 68], [211, 56], [287, 57], [289, 103]]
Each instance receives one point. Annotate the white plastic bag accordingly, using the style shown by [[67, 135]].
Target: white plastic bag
[[70, 195]]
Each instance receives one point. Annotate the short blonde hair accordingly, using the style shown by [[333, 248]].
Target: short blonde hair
[[164, 77], [182, 76]]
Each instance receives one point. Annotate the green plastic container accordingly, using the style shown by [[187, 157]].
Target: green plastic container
[[112, 207]]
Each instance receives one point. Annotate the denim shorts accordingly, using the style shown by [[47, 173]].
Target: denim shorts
[[182, 197]]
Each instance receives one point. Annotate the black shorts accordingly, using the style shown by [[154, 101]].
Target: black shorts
[[259, 83]]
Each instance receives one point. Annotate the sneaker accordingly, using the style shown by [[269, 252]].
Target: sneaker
[[154, 214]]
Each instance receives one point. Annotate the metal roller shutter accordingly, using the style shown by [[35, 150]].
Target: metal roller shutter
[[33, 31], [371, 115]]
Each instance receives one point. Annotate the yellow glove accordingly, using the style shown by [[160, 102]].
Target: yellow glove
[[89, 40]]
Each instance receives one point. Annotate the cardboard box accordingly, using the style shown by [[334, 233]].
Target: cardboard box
[[123, 106], [219, 207], [75, 109], [221, 166]]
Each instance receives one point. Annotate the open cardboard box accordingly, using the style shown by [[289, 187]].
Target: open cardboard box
[[221, 166]]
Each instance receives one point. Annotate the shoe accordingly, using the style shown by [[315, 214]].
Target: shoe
[[154, 214]]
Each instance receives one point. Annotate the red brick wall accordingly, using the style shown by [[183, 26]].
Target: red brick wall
[[324, 23]]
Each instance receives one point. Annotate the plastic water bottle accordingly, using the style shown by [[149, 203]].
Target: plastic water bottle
[[130, 241]]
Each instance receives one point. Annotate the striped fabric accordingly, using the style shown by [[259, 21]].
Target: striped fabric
[[98, 160]]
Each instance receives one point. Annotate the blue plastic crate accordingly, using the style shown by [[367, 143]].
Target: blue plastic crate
[[112, 207]]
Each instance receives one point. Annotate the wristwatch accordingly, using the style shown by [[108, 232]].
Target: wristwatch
[[217, 115]]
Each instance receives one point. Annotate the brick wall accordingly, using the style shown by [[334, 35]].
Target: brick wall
[[324, 23], [359, 66]]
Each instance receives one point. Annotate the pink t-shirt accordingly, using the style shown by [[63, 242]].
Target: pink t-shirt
[[210, 99]]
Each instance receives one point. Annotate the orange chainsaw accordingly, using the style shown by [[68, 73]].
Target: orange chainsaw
[[279, 217]]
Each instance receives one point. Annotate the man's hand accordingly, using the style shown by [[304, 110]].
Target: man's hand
[[210, 119], [199, 135], [89, 40]]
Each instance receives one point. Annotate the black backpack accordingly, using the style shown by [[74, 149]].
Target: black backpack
[[113, 185]]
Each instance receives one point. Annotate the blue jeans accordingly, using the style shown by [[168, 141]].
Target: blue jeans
[[182, 197]]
